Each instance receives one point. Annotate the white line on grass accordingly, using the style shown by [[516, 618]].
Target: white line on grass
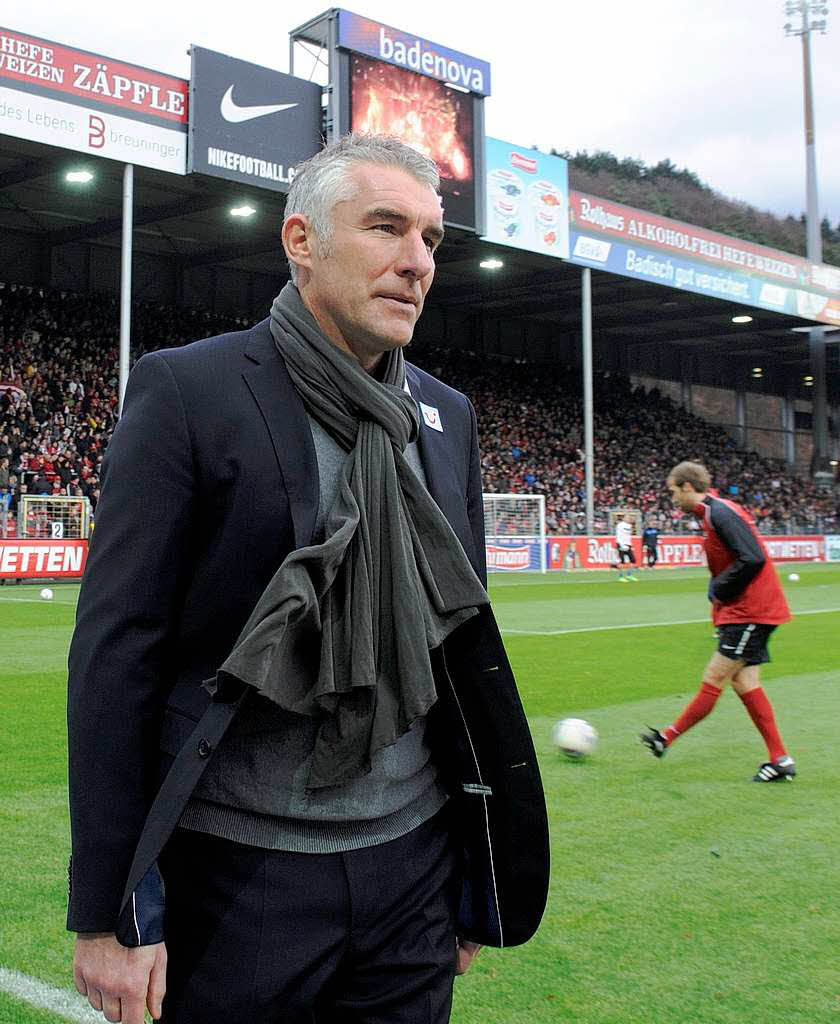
[[638, 625], [67, 1005]]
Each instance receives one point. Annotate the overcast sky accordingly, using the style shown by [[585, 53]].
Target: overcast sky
[[714, 85]]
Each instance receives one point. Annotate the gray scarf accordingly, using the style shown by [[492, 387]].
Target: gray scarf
[[344, 629]]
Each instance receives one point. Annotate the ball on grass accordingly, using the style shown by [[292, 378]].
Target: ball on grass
[[46, 594], [575, 737], [794, 577]]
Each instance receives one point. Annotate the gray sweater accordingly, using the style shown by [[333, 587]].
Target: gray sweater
[[254, 790]]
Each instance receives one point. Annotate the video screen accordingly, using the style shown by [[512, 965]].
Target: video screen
[[427, 115]]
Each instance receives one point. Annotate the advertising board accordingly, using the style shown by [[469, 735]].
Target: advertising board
[[526, 198], [634, 243], [427, 115], [677, 551], [42, 559], [403, 50], [796, 549], [513, 554], [248, 123], [88, 103]]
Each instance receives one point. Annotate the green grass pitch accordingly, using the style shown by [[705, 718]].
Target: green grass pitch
[[681, 893]]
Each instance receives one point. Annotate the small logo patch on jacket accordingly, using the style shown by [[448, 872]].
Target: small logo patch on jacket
[[431, 417]]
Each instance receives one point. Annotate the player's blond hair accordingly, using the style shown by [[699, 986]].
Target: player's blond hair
[[691, 473]]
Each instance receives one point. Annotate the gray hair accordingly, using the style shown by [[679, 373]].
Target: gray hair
[[324, 180]]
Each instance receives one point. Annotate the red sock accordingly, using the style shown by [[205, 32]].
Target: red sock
[[761, 712], [697, 710]]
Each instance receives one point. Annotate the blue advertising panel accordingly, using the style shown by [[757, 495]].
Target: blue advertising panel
[[636, 243], [693, 276], [394, 46], [514, 554], [526, 199]]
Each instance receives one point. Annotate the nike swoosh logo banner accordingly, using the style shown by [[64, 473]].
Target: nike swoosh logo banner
[[235, 114], [238, 131]]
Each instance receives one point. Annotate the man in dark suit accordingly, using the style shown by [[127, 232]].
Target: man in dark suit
[[288, 698]]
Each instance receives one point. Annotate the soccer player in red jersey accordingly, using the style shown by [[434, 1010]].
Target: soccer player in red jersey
[[747, 604]]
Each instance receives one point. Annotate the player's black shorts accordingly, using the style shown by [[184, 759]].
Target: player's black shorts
[[626, 555], [745, 641]]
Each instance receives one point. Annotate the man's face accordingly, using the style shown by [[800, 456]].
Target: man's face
[[683, 495], [367, 290]]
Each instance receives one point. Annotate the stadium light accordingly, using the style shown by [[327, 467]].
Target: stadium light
[[806, 9], [491, 264], [808, 381], [78, 177], [757, 372], [809, 16], [242, 211], [743, 318]]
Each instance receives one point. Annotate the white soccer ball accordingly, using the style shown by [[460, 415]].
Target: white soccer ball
[[575, 737], [46, 594], [794, 577]]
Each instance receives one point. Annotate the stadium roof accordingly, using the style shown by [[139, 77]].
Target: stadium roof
[[644, 328]]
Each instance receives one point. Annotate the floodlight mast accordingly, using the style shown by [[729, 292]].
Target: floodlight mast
[[805, 8], [820, 467]]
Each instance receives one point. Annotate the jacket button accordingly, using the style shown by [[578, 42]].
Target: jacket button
[[205, 748]]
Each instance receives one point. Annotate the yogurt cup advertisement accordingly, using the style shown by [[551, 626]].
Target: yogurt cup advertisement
[[527, 199]]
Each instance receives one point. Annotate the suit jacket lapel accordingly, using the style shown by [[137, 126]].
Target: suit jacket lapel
[[435, 454], [285, 417]]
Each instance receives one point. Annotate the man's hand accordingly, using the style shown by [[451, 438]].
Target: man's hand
[[118, 981], [467, 952]]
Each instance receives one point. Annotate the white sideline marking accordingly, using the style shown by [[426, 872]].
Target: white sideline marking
[[640, 625], [67, 1005]]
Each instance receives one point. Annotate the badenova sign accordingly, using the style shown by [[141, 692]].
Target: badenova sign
[[412, 53]]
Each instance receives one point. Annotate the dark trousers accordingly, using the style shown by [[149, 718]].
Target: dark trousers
[[268, 937]]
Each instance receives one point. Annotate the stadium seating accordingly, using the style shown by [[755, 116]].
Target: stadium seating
[[58, 402]]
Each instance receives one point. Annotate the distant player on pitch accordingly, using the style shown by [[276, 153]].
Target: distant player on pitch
[[747, 605], [624, 543], [650, 539]]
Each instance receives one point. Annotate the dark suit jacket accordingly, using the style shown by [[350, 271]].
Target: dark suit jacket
[[210, 479]]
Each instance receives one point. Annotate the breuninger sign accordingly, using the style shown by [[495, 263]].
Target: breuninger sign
[[73, 99]]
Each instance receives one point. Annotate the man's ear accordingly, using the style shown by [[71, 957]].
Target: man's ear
[[298, 240]]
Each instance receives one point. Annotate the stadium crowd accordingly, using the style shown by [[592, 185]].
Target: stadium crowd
[[531, 434], [59, 396]]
